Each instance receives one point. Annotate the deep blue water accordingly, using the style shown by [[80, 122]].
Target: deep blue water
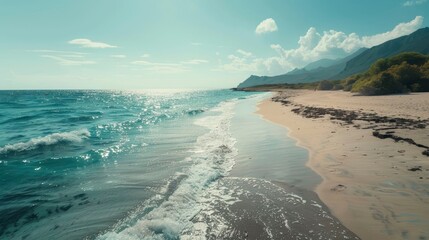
[[87, 164]]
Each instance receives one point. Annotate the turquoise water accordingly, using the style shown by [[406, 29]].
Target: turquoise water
[[89, 164]]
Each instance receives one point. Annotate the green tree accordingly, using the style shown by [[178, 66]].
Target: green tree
[[379, 66], [412, 58], [406, 74]]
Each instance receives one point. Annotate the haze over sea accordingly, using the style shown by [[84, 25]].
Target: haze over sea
[[78, 163]]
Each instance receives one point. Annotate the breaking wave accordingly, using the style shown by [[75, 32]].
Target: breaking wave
[[49, 140], [212, 158]]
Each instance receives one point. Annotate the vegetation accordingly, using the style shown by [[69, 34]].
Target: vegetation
[[325, 85], [399, 74], [268, 87], [405, 72]]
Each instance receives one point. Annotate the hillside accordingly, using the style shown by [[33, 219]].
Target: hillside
[[402, 73], [358, 62], [321, 63], [415, 42], [301, 75]]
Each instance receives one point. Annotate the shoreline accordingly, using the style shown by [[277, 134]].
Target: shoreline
[[366, 181], [264, 196]]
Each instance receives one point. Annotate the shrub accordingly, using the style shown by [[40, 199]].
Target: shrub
[[379, 66], [407, 74], [412, 58], [325, 85], [398, 74], [383, 83], [338, 87]]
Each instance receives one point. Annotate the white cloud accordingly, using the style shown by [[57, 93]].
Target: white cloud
[[68, 62], [162, 67], [254, 65], [86, 43], [118, 56], [146, 55], [400, 30], [57, 52], [242, 62], [195, 61], [196, 43], [413, 3], [268, 25], [65, 58], [244, 53], [182, 66], [314, 46], [72, 56]]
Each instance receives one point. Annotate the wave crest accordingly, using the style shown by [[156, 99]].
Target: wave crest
[[49, 140], [212, 158]]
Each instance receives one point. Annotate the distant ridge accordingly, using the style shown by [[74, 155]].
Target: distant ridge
[[301, 75], [358, 62], [321, 63], [415, 42]]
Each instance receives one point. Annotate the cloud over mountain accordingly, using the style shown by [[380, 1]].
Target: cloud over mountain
[[315, 45]]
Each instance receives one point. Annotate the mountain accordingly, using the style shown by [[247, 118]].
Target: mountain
[[415, 42], [321, 64], [297, 71], [358, 62], [302, 75]]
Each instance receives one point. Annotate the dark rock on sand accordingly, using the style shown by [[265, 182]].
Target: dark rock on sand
[[417, 168], [339, 188]]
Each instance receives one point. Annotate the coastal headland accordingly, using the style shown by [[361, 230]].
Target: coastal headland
[[371, 152]]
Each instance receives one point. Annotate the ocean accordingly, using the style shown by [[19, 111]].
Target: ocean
[[81, 163], [157, 164]]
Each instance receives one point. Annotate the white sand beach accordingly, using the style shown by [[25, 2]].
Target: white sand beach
[[368, 182]]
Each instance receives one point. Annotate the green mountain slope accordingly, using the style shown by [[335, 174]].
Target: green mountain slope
[[415, 42], [358, 62], [301, 75]]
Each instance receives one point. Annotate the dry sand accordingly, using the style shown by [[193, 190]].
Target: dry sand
[[366, 183]]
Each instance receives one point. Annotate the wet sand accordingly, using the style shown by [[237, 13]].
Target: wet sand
[[259, 209], [268, 193], [369, 152]]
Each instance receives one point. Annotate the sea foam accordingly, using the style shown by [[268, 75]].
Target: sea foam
[[212, 158], [49, 140]]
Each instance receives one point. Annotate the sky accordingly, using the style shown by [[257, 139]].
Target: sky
[[189, 44]]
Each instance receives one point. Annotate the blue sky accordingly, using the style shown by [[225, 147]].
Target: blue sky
[[185, 44]]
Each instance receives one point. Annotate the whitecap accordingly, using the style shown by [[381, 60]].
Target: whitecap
[[49, 140], [212, 158]]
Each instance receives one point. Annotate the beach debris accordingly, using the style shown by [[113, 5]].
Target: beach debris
[[416, 168], [348, 117], [339, 188], [401, 139], [282, 100]]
